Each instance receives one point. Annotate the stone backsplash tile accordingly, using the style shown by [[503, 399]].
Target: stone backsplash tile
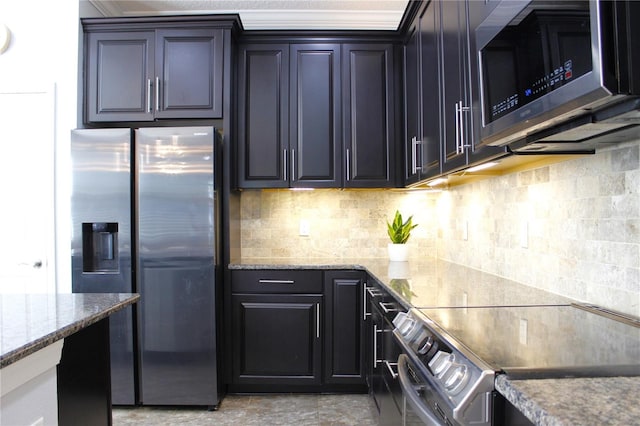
[[572, 228]]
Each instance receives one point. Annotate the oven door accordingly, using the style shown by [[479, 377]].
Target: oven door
[[416, 408]]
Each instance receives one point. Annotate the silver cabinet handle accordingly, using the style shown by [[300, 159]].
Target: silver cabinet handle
[[375, 345], [317, 320], [374, 292], [284, 163], [390, 365], [460, 136], [414, 155], [385, 309], [365, 314], [148, 95], [263, 281], [347, 166], [458, 111], [293, 165], [157, 93]]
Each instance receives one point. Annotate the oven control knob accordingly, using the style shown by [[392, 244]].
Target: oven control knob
[[441, 362], [457, 378]]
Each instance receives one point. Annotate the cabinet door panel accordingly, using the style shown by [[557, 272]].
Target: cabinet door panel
[[454, 50], [276, 339], [431, 114], [119, 76], [315, 115], [263, 106], [412, 106], [189, 69], [344, 334], [368, 114]]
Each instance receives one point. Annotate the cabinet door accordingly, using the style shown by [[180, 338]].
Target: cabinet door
[[314, 136], [368, 119], [454, 50], [119, 76], [413, 106], [478, 11], [189, 73], [263, 106], [431, 95], [276, 339], [344, 351]]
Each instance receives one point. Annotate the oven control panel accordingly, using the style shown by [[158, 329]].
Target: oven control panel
[[462, 385]]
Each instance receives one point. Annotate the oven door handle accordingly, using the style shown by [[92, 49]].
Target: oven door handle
[[412, 397]]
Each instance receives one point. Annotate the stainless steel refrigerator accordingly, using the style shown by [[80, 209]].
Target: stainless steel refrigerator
[[145, 216]]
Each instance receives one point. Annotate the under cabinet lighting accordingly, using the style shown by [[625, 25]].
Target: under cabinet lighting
[[301, 189], [481, 166], [437, 182]]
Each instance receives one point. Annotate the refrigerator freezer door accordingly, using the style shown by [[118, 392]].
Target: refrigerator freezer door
[[176, 274], [101, 237]]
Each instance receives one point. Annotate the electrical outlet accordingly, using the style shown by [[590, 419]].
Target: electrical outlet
[[304, 228], [523, 331], [465, 230]]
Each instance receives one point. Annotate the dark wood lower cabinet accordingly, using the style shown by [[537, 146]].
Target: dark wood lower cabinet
[[344, 351], [297, 331], [277, 340]]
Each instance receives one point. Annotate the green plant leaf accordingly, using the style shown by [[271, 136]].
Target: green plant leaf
[[399, 231]]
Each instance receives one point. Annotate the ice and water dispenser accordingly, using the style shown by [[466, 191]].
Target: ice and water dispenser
[[100, 247]]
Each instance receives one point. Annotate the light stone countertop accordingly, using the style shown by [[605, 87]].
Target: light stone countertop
[[30, 322], [436, 283], [577, 401]]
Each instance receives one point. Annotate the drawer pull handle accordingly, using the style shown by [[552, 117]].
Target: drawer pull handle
[[390, 365], [386, 309], [276, 281]]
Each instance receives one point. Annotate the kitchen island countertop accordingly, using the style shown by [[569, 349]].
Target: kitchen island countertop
[[30, 322], [437, 283]]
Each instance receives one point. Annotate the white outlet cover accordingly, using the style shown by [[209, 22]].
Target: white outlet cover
[[304, 228]]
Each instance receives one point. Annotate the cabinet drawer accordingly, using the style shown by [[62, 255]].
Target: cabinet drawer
[[276, 281]]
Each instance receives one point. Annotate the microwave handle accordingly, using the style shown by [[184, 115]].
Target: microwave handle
[[410, 393]]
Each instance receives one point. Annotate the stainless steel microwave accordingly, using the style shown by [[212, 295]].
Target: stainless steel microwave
[[544, 65]]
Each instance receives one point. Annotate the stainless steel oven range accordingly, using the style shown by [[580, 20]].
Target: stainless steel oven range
[[451, 356]]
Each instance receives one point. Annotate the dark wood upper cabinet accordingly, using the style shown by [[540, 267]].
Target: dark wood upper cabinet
[[319, 115], [314, 124], [189, 73], [119, 76], [263, 105], [456, 135], [441, 90], [140, 73], [368, 125]]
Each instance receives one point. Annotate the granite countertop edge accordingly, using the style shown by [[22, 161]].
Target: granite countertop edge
[[35, 345]]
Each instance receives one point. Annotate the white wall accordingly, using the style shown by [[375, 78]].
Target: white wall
[[43, 53]]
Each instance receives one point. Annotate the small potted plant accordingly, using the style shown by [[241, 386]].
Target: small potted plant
[[399, 232]]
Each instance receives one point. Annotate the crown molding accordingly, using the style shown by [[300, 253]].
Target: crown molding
[[278, 19]]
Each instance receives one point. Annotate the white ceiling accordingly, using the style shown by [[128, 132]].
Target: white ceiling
[[272, 14]]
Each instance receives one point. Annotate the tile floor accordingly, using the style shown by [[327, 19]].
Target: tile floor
[[263, 410]]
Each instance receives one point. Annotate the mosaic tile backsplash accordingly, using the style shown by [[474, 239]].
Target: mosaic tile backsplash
[[572, 228]]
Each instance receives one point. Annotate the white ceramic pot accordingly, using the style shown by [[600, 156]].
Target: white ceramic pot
[[398, 252], [398, 270]]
